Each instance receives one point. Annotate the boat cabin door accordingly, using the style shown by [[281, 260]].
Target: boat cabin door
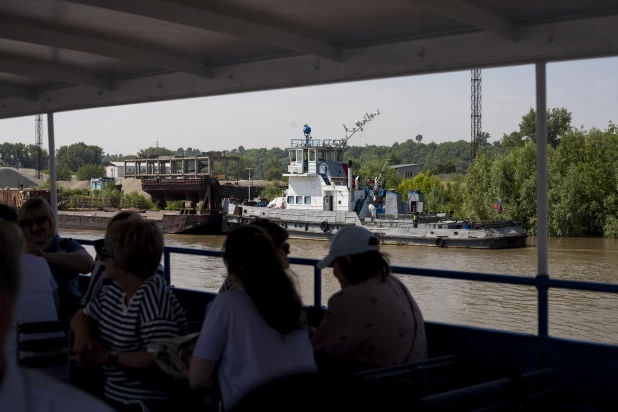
[[412, 207], [328, 203]]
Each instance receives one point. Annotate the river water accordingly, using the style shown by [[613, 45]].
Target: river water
[[572, 314]]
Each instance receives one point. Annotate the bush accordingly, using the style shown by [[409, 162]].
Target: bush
[[173, 205], [138, 201], [87, 172]]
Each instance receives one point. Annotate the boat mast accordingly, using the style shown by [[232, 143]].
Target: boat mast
[[360, 125]]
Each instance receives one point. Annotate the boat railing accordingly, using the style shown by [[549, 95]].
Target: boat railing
[[542, 283]]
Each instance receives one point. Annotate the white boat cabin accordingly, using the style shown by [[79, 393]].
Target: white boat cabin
[[319, 179]]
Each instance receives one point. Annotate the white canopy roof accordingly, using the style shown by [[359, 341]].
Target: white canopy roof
[[58, 55]]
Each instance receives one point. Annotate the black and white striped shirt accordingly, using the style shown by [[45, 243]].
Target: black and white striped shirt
[[153, 314]]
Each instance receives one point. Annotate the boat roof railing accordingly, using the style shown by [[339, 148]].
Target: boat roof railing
[[541, 282], [315, 143]]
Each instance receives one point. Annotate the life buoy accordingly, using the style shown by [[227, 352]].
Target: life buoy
[[439, 242], [324, 226]]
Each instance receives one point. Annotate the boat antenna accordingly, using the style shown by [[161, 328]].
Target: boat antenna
[[360, 125]]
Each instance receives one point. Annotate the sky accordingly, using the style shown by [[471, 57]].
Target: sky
[[436, 106]]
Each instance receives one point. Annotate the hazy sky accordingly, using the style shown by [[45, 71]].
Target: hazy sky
[[436, 106]]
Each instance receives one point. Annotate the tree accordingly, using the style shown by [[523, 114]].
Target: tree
[[180, 151], [273, 170], [445, 168], [241, 150], [558, 124], [483, 139], [78, 154], [21, 155], [87, 172], [271, 191], [63, 173], [155, 151], [389, 176], [419, 138]]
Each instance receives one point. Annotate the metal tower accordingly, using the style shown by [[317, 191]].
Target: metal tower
[[39, 144], [475, 112]]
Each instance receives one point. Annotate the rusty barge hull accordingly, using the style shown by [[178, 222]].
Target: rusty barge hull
[[172, 224]]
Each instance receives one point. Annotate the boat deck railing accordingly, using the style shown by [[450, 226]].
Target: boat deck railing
[[542, 283]]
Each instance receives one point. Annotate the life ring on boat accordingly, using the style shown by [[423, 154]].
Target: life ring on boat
[[324, 226], [439, 242]]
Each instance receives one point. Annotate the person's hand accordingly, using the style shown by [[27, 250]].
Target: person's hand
[[97, 354], [81, 345], [34, 249]]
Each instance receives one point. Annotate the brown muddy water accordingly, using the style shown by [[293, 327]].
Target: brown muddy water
[[572, 314]]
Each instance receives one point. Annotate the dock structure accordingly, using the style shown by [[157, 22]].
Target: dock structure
[[180, 166]]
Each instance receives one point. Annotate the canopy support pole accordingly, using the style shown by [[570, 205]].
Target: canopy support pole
[[52, 167], [541, 199]]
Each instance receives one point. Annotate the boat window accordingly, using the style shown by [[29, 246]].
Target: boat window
[[312, 155], [307, 200], [290, 200], [339, 155], [299, 155], [321, 155], [299, 200], [292, 155], [305, 155]]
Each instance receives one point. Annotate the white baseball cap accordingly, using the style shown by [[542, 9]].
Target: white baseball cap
[[350, 240]]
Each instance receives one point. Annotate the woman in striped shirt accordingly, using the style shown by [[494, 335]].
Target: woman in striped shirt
[[137, 310]]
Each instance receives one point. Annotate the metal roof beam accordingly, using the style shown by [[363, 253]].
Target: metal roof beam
[[207, 16], [43, 33], [465, 12], [548, 41], [16, 91], [49, 70]]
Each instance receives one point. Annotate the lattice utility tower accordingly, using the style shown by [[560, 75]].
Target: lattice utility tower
[[39, 144], [475, 112]]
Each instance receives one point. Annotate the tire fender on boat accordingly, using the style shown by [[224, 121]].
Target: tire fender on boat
[[439, 242], [324, 226]]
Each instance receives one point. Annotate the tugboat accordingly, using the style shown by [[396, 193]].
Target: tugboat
[[323, 196]]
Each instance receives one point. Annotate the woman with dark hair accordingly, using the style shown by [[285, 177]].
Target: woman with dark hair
[[373, 321], [254, 332], [279, 237]]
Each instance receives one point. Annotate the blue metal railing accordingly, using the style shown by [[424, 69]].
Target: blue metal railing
[[542, 282]]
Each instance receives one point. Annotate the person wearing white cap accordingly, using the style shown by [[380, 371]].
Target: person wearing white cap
[[373, 321]]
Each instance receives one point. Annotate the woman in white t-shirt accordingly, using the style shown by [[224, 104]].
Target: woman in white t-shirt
[[253, 332], [37, 299]]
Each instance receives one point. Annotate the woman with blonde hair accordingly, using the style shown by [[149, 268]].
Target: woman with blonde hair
[[99, 281], [121, 328], [66, 257]]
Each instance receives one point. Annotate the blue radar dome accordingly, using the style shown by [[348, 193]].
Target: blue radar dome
[[307, 130]]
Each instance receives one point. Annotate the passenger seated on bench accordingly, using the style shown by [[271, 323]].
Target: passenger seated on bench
[[66, 257], [253, 332], [373, 321], [279, 236], [99, 281], [37, 300], [137, 310], [23, 389]]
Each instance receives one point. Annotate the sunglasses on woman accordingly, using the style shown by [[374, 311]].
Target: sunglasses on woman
[[40, 221]]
